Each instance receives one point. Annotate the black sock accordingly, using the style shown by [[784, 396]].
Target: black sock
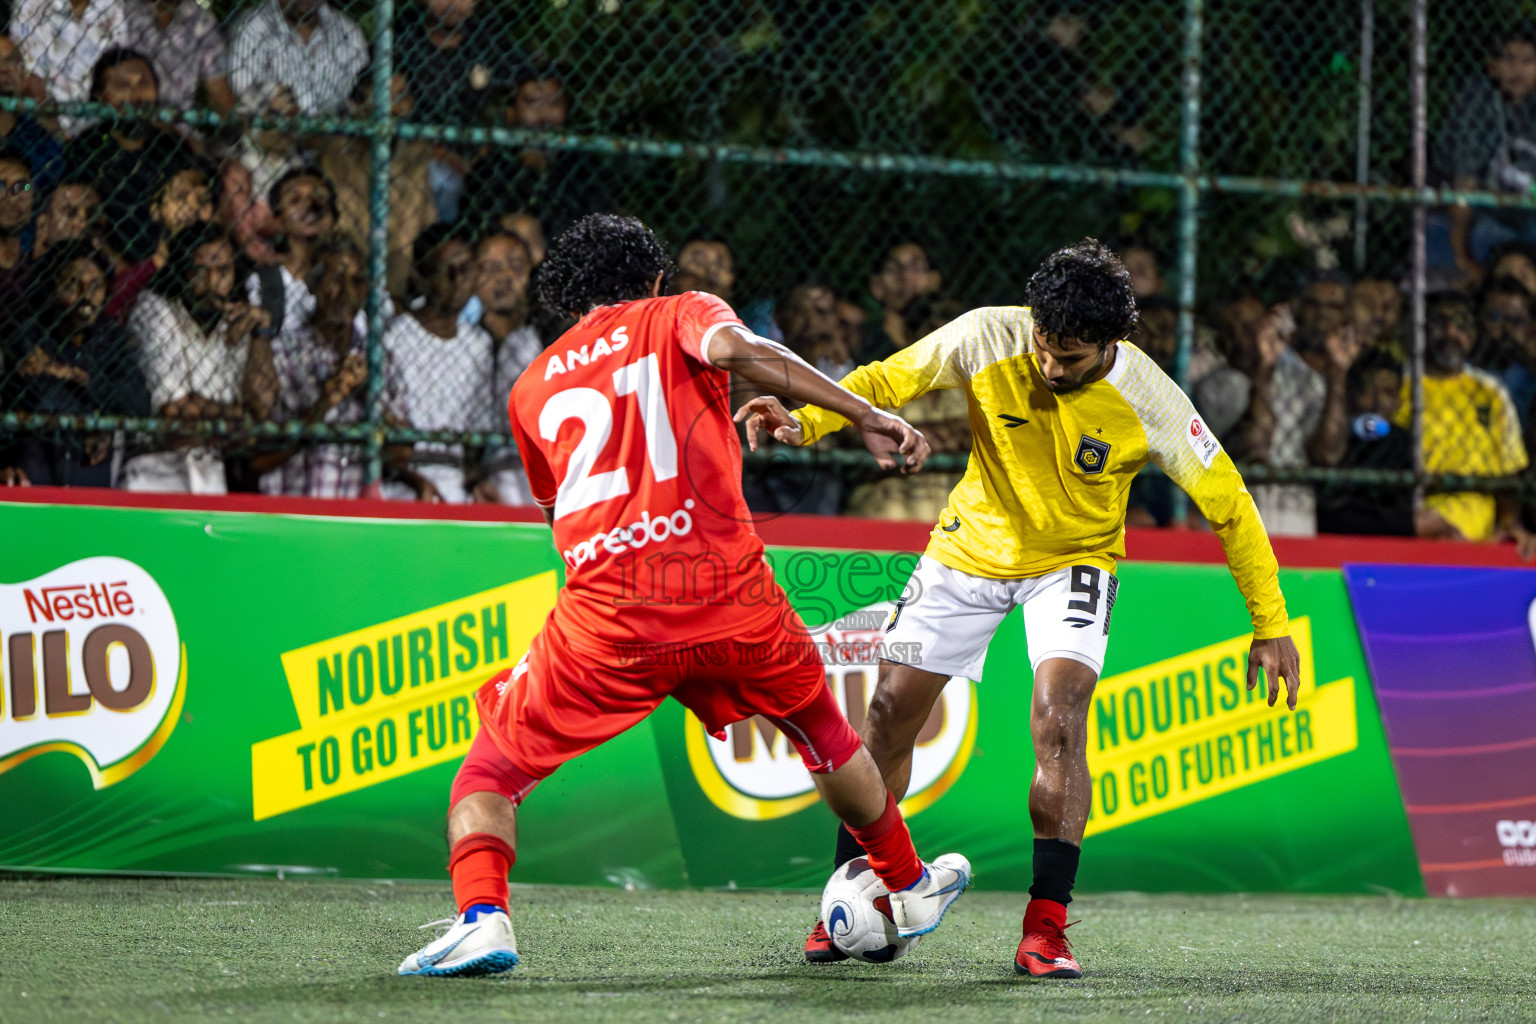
[[848, 848], [1055, 870]]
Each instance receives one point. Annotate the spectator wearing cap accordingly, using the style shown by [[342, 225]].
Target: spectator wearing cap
[[446, 366], [62, 41], [187, 48], [194, 343], [307, 45], [23, 132], [1469, 428], [128, 160], [80, 363]]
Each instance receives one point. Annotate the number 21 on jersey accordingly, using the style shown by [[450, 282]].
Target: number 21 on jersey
[[581, 488]]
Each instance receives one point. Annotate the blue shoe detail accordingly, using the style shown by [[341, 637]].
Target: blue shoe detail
[[494, 962], [959, 883], [437, 957], [478, 910], [920, 880], [957, 887]]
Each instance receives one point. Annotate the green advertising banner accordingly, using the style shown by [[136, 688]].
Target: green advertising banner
[[232, 692]]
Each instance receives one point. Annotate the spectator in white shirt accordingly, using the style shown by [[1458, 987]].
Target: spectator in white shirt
[[305, 207], [62, 40], [445, 366], [503, 265], [322, 377], [188, 49], [307, 45], [194, 345]]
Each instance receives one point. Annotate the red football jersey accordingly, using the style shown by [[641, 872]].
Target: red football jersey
[[626, 432]]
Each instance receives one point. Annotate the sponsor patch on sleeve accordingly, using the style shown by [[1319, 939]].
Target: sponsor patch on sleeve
[[1202, 441]]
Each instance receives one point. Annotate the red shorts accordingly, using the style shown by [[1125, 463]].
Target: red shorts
[[562, 700]]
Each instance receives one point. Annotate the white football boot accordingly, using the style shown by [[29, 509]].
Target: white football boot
[[918, 910], [485, 945]]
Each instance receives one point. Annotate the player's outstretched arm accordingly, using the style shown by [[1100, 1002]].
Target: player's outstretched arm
[[769, 366]]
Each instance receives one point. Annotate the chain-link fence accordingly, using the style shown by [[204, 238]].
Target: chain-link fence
[[287, 246]]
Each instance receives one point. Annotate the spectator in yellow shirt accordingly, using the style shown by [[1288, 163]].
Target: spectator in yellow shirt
[[1470, 428]]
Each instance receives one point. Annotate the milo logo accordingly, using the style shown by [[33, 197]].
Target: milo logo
[[90, 664], [755, 773]]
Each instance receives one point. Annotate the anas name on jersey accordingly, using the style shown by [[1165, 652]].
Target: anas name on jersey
[[600, 348]]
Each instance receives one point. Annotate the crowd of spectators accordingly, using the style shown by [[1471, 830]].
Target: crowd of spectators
[[220, 274], [199, 275]]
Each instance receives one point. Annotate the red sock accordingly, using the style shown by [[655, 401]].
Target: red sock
[[889, 846], [479, 864]]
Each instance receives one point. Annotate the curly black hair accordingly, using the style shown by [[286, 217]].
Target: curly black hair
[[600, 260], [1083, 292]]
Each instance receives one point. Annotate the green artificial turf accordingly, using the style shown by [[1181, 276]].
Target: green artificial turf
[[130, 950]]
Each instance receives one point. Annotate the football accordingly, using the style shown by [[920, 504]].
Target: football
[[856, 907]]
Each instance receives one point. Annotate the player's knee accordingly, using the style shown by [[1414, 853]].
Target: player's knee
[[1059, 728], [892, 721], [821, 734], [486, 770]]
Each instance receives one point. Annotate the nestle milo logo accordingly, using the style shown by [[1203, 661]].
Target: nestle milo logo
[[92, 666], [756, 773]]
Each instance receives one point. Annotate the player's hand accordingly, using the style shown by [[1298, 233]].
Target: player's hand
[[895, 443], [1278, 658], [767, 414]]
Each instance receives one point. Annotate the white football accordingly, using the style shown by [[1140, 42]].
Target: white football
[[856, 909]]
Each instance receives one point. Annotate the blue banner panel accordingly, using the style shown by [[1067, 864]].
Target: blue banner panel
[[1453, 658]]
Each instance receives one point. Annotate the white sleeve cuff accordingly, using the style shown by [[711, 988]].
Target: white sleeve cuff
[[709, 334]]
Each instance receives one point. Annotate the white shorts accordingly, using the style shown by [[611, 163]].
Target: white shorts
[[946, 618]]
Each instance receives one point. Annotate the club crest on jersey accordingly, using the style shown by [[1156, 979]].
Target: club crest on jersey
[[1091, 455]]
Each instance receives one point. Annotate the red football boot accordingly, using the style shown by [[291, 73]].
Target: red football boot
[[1045, 953], [819, 948]]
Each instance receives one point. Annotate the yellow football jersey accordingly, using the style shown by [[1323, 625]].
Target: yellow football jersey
[[1049, 475], [1470, 427]]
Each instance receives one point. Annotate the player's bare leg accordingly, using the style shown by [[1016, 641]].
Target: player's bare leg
[[1059, 800], [873, 826], [482, 844], [903, 698], [483, 812]]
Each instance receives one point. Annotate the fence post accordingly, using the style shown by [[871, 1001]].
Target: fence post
[[1418, 81], [1189, 207], [1363, 130], [381, 136], [1189, 186]]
